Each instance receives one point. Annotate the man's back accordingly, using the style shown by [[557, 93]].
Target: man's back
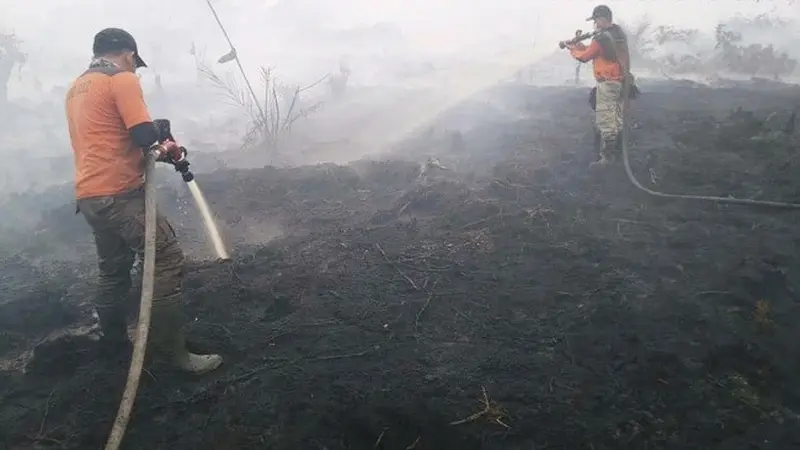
[[106, 160]]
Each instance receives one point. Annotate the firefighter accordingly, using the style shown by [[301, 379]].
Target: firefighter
[[110, 131], [608, 52]]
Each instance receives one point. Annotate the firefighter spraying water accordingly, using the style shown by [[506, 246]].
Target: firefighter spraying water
[[608, 52], [115, 144]]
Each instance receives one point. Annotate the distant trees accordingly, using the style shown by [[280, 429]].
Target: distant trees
[[11, 56], [752, 59], [653, 48], [647, 46]]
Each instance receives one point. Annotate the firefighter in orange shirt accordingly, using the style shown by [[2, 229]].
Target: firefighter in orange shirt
[[110, 130], [610, 58]]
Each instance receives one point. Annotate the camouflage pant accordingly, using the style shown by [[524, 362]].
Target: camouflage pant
[[608, 113], [118, 224]]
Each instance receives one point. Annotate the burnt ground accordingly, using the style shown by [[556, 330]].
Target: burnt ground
[[380, 307]]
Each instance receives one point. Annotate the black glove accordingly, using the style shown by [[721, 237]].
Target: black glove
[[164, 129]]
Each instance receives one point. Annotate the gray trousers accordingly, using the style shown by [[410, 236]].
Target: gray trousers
[[609, 115], [118, 224]]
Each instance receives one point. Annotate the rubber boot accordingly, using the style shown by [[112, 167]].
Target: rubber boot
[[168, 341], [605, 153], [598, 147], [114, 345], [612, 149], [113, 323], [608, 150], [598, 141]]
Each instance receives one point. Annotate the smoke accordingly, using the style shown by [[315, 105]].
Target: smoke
[[380, 71], [299, 37]]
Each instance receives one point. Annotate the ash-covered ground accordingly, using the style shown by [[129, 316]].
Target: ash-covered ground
[[518, 300]]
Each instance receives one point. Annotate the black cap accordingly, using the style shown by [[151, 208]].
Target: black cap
[[113, 40], [601, 11]]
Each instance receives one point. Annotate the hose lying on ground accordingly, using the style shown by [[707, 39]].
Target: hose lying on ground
[[638, 185], [145, 308]]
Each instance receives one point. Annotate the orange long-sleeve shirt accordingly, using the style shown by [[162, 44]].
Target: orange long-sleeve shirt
[[606, 65]]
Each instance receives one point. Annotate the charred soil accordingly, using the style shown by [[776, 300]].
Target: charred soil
[[518, 300]]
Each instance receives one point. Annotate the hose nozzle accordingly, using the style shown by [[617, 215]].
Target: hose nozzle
[[182, 167]]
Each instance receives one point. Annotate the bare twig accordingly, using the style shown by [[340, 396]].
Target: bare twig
[[277, 119], [261, 121], [343, 356], [491, 411], [46, 413], [272, 361], [302, 114], [702, 293], [425, 306], [482, 220], [397, 268], [414, 444], [313, 85], [290, 111], [380, 439], [51, 441]]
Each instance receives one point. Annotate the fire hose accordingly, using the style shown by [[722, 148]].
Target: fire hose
[[148, 280], [654, 193], [626, 91]]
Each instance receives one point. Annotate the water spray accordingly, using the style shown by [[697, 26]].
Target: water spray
[[208, 219], [165, 133]]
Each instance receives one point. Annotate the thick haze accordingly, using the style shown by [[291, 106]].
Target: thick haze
[[410, 60], [289, 34]]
